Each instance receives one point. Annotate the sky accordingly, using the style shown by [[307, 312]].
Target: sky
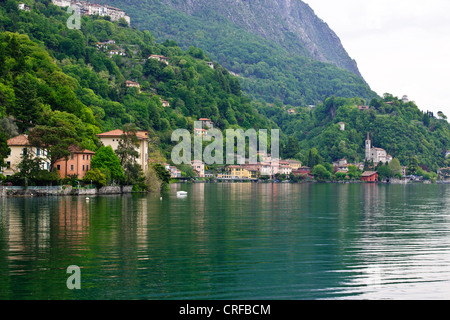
[[401, 47]]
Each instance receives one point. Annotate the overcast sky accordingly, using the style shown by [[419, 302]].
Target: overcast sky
[[401, 46]]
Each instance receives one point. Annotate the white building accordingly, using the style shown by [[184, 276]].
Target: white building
[[87, 8], [20, 146], [376, 154], [112, 138], [159, 58]]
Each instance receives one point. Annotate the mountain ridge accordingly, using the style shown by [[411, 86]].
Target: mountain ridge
[[281, 70], [273, 19]]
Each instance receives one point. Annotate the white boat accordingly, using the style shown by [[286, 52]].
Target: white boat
[[182, 193]]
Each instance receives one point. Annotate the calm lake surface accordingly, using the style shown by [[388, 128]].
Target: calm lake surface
[[232, 241]]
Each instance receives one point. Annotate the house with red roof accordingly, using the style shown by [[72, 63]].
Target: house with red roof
[[19, 146], [369, 176], [78, 163]]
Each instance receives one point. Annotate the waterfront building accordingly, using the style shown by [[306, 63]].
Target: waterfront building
[[236, 172], [20, 146], [112, 138], [302, 171], [199, 167], [284, 167], [369, 176], [78, 163]]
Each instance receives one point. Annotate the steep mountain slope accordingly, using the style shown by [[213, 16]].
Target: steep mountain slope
[[280, 49], [289, 23]]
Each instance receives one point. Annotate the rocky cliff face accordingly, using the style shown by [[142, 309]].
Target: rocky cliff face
[[290, 23]]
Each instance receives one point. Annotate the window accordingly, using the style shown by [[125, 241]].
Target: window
[[72, 156], [71, 167], [8, 164], [83, 156], [24, 151], [87, 167], [38, 152], [83, 167], [58, 167]]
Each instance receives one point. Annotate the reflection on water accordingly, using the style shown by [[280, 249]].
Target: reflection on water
[[232, 241]]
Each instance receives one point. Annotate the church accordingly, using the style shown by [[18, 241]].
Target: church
[[376, 154]]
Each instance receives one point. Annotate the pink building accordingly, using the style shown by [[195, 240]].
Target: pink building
[[78, 163]]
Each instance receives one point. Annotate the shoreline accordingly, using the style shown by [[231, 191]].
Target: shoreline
[[17, 192]]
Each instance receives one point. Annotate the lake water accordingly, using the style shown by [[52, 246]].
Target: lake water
[[232, 241]]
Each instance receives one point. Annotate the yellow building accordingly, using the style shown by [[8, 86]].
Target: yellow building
[[236, 172], [294, 164]]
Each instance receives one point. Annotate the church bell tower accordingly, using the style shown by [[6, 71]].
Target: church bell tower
[[368, 147]]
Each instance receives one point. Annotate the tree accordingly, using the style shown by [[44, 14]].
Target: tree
[[442, 115], [162, 174], [95, 176], [395, 167], [314, 158], [384, 172], [55, 140], [340, 176], [353, 172], [28, 107], [321, 173], [29, 166], [292, 148], [413, 166], [4, 149], [106, 159], [127, 153]]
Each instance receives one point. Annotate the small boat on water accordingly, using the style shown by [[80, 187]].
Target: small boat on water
[[181, 193]]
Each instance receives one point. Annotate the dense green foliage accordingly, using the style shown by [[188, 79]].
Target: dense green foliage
[[267, 70], [396, 126], [59, 81], [48, 69]]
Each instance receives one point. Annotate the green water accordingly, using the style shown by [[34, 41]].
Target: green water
[[232, 241]]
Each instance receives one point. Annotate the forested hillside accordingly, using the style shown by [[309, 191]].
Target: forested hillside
[[74, 83], [289, 71], [399, 127], [51, 75]]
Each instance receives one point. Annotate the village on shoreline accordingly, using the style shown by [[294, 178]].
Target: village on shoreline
[[266, 170]]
